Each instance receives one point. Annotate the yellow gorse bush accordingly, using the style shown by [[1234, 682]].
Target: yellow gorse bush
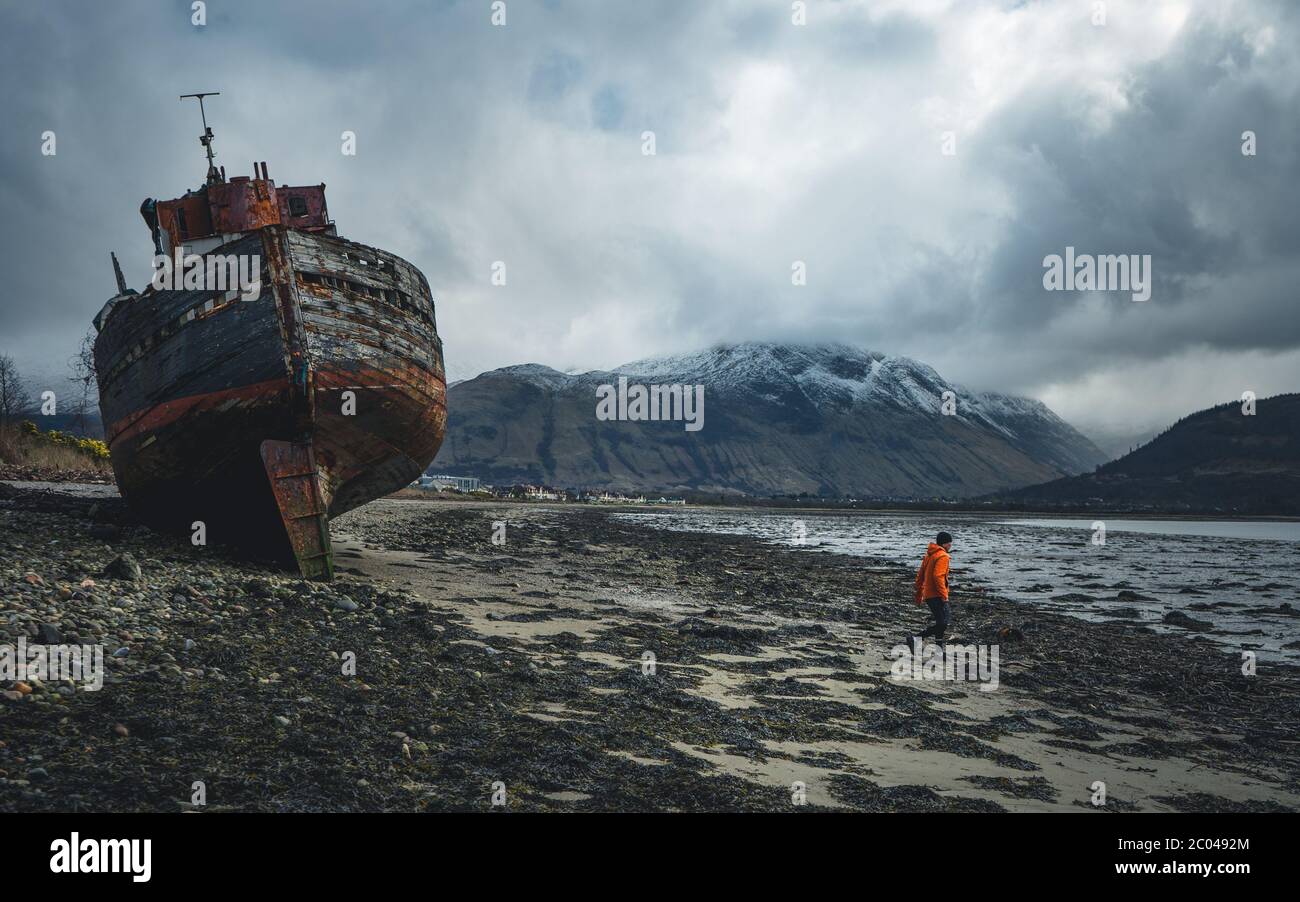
[[91, 447], [94, 448]]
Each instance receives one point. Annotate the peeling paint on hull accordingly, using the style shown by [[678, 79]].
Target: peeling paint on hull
[[339, 354]]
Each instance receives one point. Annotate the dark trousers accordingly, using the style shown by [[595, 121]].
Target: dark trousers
[[941, 611]]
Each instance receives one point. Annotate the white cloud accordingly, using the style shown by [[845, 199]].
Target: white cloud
[[775, 143]]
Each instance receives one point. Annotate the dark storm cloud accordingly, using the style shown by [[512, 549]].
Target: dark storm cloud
[[1166, 178], [775, 143]]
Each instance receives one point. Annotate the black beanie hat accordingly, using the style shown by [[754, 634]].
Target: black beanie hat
[[943, 538]]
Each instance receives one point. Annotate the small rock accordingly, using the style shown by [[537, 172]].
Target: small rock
[[121, 729], [346, 604], [282, 720], [34, 579], [49, 634], [125, 567], [1178, 618], [106, 532]]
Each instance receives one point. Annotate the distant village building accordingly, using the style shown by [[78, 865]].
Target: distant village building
[[457, 483], [607, 498]]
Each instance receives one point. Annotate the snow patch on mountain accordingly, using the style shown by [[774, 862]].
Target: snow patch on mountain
[[839, 375], [827, 375]]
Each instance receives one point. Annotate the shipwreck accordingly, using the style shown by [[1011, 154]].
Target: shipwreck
[[272, 375]]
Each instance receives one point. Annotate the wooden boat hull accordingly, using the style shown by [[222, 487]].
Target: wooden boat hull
[[259, 420]]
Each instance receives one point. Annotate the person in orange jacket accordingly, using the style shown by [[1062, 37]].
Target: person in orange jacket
[[932, 587]]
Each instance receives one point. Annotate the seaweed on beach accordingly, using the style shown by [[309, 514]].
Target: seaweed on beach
[[1021, 788], [232, 673], [1208, 803], [865, 795]]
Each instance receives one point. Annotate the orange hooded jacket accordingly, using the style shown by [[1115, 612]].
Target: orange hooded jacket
[[932, 577]]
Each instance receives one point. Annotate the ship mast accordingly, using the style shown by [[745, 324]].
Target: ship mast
[[214, 177], [117, 271]]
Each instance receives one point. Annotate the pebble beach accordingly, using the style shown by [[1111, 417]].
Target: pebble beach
[[501, 657]]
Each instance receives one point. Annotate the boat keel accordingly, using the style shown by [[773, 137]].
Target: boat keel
[[295, 483]]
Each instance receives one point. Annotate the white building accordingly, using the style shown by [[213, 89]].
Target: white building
[[607, 498], [458, 483]]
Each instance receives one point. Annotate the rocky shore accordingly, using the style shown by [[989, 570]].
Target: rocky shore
[[584, 663]]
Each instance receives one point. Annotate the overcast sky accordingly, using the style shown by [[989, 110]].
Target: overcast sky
[[774, 143]]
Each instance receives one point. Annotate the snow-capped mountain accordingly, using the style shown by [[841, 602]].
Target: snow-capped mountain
[[778, 419]]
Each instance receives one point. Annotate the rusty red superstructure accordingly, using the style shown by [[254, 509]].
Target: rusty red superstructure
[[261, 412]]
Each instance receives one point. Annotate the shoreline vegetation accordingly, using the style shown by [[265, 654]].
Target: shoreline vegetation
[[29, 454], [442, 670]]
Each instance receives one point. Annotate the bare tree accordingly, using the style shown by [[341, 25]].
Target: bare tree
[[81, 367], [14, 399]]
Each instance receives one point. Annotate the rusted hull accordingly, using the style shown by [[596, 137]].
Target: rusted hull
[[337, 362], [379, 395]]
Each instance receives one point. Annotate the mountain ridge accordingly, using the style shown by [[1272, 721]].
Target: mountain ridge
[[824, 419], [1215, 460]]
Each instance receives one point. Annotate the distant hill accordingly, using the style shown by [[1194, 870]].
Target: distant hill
[[779, 419], [88, 424], [1213, 461]]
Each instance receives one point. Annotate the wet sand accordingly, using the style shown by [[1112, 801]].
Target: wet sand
[[822, 657], [518, 672]]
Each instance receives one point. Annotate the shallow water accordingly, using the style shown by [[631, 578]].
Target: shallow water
[[1270, 530], [1240, 576]]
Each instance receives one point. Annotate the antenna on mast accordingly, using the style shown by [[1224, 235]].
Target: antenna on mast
[[214, 177]]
